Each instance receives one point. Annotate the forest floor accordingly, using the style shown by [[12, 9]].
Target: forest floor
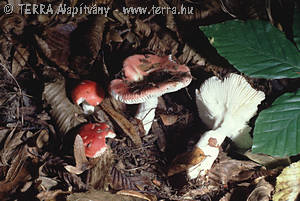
[[43, 56]]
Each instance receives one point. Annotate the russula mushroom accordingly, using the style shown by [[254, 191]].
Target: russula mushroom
[[93, 136], [146, 77], [225, 107], [89, 94]]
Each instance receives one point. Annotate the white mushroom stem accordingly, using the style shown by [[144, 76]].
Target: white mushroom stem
[[87, 108], [146, 113], [209, 145]]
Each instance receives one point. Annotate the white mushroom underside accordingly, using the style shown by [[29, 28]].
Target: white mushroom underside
[[232, 102], [225, 107]]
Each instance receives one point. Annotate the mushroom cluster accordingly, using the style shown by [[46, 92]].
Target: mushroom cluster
[[89, 94], [146, 77], [225, 106]]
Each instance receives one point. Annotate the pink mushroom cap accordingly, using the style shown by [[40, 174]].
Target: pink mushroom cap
[[138, 68], [93, 136]]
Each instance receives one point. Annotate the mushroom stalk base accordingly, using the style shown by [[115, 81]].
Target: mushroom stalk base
[[209, 144], [146, 113]]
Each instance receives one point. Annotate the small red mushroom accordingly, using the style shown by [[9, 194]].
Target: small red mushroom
[[93, 136], [89, 94]]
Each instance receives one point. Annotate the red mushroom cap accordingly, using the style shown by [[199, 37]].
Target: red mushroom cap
[[93, 136], [160, 75], [88, 91]]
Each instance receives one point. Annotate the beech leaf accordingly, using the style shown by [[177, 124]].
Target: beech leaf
[[255, 48], [277, 130]]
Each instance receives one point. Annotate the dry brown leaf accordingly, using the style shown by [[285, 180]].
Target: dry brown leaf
[[99, 176], [168, 120], [50, 195], [186, 160], [13, 23], [126, 125], [42, 139], [11, 147], [20, 60], [288, 183], [22, 175], [267, 160], [86, 42], [100, 196], [121, 181], [82, 163], [231, 170], [65, 114], [161, 136], [54, 167], [262, 191], [163, 42], [47, 183], [57, 39], [113, 36], [138, 195]]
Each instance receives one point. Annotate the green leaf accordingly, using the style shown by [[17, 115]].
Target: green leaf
[[296, 27], [255, 48], [277, 129]]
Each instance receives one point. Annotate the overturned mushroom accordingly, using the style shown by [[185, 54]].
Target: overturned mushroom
[[89, 94], [93, 136], [225, 107], [146, 78]]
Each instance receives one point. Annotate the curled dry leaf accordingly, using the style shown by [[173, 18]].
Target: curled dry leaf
[[186, 160], [288, 183], [82, 163], [42, 139], [262, 191], [138, 195], [126, 126], [65, 114]]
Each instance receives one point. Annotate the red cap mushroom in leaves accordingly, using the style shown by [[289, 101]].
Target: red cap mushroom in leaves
[[93, 136], [146, 78], [89, 94]]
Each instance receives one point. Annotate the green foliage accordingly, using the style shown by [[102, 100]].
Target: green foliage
[[296, 27], [255, 48], [277, 129], [258, 49]]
